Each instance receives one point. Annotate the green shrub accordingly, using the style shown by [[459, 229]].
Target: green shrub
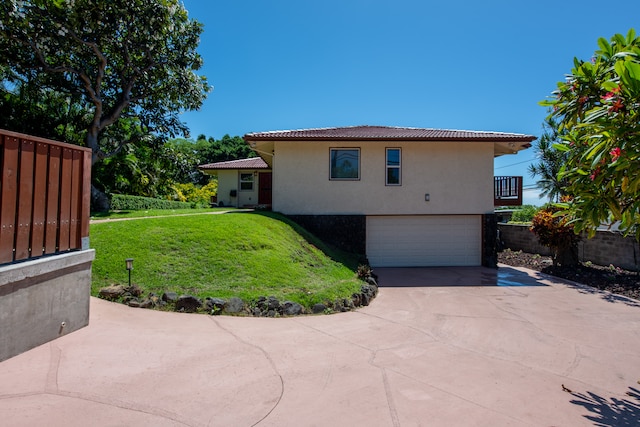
[[122, 202], [556, 232], [524, 214], [198, 196]]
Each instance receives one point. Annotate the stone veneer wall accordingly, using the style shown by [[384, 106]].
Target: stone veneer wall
[[603, 249], [347, 232], [489, 240]]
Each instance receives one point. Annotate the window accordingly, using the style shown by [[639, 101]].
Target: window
[[246, 182], [394, 162], [345, 163]]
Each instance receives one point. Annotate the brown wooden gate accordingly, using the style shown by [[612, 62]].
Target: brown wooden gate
[[45, 194]]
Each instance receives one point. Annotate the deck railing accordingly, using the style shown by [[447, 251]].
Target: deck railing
[[45, 194], [507, 190]]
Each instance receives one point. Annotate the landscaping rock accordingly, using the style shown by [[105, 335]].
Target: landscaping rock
[[147, 303], [372, 281], [134, 290], [343, 305], [273, 304], [357, 300], [169, 297], [134, 303], [318, 308], [265, 305], [234, 305], [215, 305], [112, 292], [291, 308], [188, 304], [155, 299]]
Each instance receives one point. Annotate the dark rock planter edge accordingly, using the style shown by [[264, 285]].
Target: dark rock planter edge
[[262, 307]]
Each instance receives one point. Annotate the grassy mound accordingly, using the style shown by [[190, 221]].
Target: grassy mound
[[246, 255]]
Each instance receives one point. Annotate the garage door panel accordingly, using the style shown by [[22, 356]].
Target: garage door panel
[[413, 241]]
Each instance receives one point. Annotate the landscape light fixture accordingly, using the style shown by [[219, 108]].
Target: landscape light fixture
[[129, 262]]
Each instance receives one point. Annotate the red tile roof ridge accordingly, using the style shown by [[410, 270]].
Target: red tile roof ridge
[[351, 132], [249, 163]]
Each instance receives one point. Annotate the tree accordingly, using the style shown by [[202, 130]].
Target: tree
[[120, 59], [551, 160], [598, 106]]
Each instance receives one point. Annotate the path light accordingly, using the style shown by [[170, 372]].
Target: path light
[[129, 262]]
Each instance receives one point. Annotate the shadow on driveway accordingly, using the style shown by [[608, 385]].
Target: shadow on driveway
[[455, 276]]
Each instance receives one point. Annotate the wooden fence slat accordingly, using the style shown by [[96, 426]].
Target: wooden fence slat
[[65, 200], [86, 198], [53, 194], [76, 176], [39, 199], [45, 196], [9, 178], [25, 200]]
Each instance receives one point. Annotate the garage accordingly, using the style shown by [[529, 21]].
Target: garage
[[424, 240]]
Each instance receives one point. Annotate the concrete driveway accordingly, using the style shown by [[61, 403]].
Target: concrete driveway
[[438, 347]]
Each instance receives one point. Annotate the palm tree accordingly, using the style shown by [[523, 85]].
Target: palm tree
[[551, 161]]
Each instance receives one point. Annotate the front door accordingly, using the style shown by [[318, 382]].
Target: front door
[[264, 188]]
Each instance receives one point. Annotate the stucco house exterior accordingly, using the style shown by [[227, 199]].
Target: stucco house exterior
[[245, 182], [405, 197]]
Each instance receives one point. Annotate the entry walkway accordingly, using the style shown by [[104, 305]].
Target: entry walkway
[[448, 347]]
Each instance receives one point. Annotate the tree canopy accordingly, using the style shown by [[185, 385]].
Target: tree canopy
[[598, 107], [117, 71]]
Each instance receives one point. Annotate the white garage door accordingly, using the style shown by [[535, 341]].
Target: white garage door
[[424, 241]]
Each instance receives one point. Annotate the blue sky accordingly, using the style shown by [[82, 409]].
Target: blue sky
[[291, 64]]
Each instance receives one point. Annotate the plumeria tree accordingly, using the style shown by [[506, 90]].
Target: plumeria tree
[[598, 110]]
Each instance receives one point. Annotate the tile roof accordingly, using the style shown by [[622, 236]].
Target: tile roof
[[355, 133], [251, 163]]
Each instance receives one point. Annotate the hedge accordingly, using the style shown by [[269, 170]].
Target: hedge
[[121, 202]]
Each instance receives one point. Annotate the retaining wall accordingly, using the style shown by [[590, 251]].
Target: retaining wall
[[604, 248], [43, 299]]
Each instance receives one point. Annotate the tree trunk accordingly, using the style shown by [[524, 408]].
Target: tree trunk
[[566, 256], [99, 200]]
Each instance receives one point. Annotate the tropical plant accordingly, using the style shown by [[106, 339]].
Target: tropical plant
[[556, 232], [598, 110], [550, 162]]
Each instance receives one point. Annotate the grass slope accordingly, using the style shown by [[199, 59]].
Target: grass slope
[[241, 254]]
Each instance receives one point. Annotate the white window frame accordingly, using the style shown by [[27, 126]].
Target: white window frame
[[388, 167], [251, 180]]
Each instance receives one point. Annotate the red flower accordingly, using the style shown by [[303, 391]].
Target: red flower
[[615, 154], [610, 95], [595, 174], [617, 106], [583, 99]]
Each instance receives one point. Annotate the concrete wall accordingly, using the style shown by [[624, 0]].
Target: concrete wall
[[458, 176], [43, 299], [603, 249]]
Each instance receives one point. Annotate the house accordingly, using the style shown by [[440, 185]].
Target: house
[[405, 197], [242, 183]]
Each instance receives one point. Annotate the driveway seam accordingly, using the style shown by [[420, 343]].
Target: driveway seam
[[267, 356]]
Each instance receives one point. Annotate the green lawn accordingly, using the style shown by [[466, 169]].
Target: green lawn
[[238, 254]]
